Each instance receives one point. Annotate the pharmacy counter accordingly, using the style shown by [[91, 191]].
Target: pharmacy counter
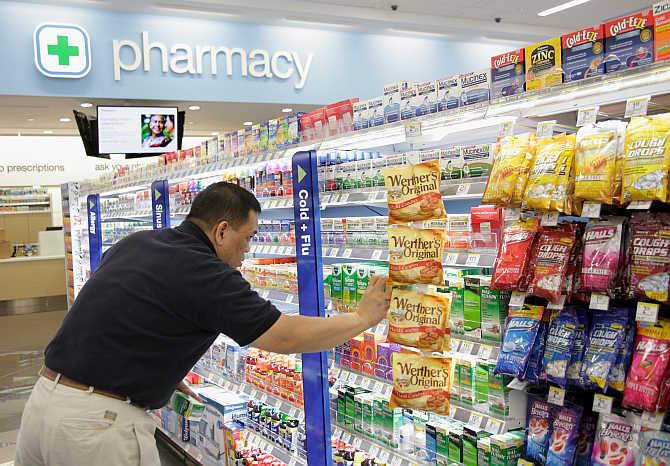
[[23, 278]]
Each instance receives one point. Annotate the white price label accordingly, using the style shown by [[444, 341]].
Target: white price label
[[591, 210], [346, 437], [602, 403], [452, 258], [506, 128], [332, 252], [549, 219], [493, 426], [413, 129], [379, 387], [337, 372], [587, 115], [357, 442], [647, 312], [293, 412], [472, 260], [376, 254], [599, 301], [347, 253], [388, 389], [517, 384], [293, 462], [637, 106], [466, 347], [485, 351], [559, 305], [396, 461], [556, 395], [462, 189], [475, 420], [639, 205], [653, 421], [264, 398], [290, 298], [211, 377], [344, 198], [545, 128], [384, 456], [512, 214], [220, 382], [517, 299], [374, 450], [368, 383]]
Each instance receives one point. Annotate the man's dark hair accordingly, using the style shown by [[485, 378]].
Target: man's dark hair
[[223, 201]]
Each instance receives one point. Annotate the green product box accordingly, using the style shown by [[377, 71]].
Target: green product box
[[379, 419], [472, 316], [442, 443], [506, 449], [186, 406], [358, 412], [367, 424], [395, 420], [499, 393], [482, 382], [456, 288], [349, 273], [456, 382], [341, 405], [387, 422], [494, 311], [466, 379], [363, 274], [456, 443], [350, 405], [336, 282], [484, 452], [471, 438]]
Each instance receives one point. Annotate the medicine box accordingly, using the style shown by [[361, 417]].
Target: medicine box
[[451, 163], [448, 93], [426, 98], [508, 74], [375, 112], [472, 318], [477, 160], [392, 101], [544, 64], [361, 115], [629, 41], [408, 98], [661, 30], [475, 87], [583, 53]]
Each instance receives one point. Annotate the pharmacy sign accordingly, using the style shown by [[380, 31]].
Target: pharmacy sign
[[62, 50]]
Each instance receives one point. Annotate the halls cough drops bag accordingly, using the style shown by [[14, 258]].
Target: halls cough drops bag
[[512, 160], [548, 181], [419, 319], [415, 255], [413, 192], [421, 382], [647, 159]]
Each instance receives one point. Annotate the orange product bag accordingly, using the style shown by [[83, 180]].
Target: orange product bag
[[421, 382], [413, 192], [419, 319], [415, 255]]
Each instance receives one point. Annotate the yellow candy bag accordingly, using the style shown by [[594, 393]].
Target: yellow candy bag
[[508, 174], [419, 319], [561, 199], [421, 382], [413, 192], [524, 172], [597, 153], [647, 159], [415, 255], [548, 182]]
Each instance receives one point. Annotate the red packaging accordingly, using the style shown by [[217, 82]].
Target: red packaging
[[313, 125], [649, 366], [340, 117], [551, 257], [485, 222], [514, 254], [649, 267]]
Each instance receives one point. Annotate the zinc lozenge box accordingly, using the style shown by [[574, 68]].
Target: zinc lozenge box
[[544, 64]]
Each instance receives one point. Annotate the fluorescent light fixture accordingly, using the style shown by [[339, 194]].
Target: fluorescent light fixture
[[64, 120], [86, 104], [30, 119], [561, 7], [194, 7], [194, 107], [47, 131], [215, 133], [419, 33], [286, 110], [248, 123], [500, 40], [316, 23]]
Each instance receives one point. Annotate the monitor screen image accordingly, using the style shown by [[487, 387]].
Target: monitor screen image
[[137, 130]]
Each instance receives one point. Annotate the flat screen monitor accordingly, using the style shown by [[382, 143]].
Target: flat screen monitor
[[138, 130]]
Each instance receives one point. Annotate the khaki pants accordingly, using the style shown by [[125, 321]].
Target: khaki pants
[[63, 426]]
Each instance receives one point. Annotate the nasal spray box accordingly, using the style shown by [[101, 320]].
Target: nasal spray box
[[475, 87], [392, 101], [361, 118], [584, 53], [508, 74], [662, 30], [408, 98], [543, 64], [448, 93], [426, 98], [376, 112], [629, 41]]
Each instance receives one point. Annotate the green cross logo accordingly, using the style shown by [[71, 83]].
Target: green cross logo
[[63, 50]]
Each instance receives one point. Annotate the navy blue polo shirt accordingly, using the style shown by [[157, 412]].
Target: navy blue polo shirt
[[156, 303]]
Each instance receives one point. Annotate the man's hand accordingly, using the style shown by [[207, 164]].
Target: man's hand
[[375, 301], [184, 388]]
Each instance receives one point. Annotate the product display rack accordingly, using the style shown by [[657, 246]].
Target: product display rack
[[471, 125]]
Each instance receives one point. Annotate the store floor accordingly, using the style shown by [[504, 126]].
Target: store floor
[[22, 342]]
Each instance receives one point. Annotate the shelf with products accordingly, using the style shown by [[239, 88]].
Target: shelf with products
[[23, 212]]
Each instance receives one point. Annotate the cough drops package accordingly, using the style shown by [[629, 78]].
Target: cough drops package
[[509, 174], [413, 192], [511, 266], [608, 330], [415, 255], [421, 382], [551, 259], [558, 349], [616, 442], [521, 331], [649, 264], [650, 362], [538, 429], [419, 319], [564, 435], [654, 449], [647, 159], [603, 255]]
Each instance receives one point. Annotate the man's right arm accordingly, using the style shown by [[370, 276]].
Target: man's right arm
[[301, 334]]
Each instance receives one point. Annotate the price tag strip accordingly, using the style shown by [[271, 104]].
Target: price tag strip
[[647, 312], [587, 115], [599, 302], [472, 260], [517, 299], [637, 106], [556, 395], [549, 219], [545, 128], [591, 210], [602, 403]]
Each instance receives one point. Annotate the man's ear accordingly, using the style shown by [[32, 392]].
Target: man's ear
[[220, 230]]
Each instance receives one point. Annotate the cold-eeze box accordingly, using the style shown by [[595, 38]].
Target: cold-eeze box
[[508, 74], [583, 53], [475, 87], [629, 41]]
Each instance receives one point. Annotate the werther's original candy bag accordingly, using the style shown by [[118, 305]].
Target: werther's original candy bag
[[413, 192], [421, 382], [415, 255]]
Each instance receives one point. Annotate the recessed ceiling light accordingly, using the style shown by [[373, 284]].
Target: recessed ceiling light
[[194, 107], [64, 120], [47, 131], [248, 123], [30, 119], [303, 22], [86, 104], [215, 133], [411, 32], [286, 110], [561, 7]]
